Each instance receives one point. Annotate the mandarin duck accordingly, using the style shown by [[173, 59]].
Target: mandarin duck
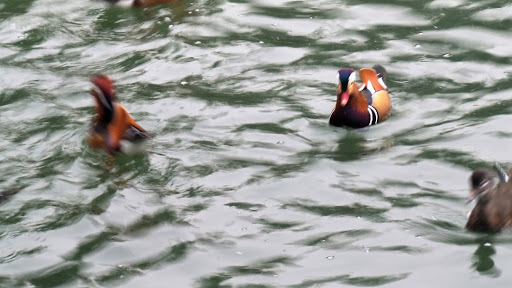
[[113, 128], [139, 3], [363, 105], [493, 210]]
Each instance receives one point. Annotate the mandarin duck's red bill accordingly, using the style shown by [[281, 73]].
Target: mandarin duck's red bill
[[140, 3], [362, 105], [113, 128]]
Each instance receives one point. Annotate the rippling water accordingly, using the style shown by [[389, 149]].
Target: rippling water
[[246, 185]]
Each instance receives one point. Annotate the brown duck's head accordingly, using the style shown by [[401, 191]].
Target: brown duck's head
[[481, 181], [104, 92], [346, 85]]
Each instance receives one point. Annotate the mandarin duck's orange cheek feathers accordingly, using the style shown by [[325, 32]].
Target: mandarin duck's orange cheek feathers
[[346, 80]]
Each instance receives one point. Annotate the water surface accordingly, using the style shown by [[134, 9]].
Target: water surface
[[245, 184]]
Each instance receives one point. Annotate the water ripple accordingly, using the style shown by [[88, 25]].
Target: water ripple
[[245, 184]]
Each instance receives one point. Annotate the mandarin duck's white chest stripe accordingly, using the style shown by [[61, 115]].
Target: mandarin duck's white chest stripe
[[370, 88], [374, 115]]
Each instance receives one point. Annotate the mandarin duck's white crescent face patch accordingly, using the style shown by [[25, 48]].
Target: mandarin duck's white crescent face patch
[[101, 96], [351, 78]]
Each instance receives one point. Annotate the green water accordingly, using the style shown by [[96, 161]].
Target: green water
[[246, 185]]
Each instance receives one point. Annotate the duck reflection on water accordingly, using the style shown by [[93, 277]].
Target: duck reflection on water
[[482, 258]]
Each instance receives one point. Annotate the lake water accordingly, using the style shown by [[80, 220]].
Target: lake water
[[246, 184]]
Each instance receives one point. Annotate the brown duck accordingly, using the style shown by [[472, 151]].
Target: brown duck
[[493, 209]]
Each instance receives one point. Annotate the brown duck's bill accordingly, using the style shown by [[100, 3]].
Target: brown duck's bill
[[471, 196]]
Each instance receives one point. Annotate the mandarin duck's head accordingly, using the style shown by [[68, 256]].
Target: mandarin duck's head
[[346, 84], [481, 181], [104, 92]]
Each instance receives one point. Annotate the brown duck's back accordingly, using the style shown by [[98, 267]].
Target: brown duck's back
[[493, 211]]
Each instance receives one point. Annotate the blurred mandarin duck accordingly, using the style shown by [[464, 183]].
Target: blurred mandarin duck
[[140, 3], [363, 105], [493, 210], [113, 128]]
